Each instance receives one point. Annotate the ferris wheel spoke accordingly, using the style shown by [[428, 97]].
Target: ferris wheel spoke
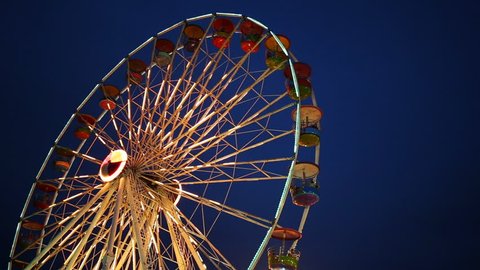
[[188, 69], [66, 209], [146, 89], [182, 242], [154, 257], [108, 259], [124, 247], [123, 258], [220, 137], [142, 216], [210, 250], [102, 136], [78, 154], [302, 224], [78, 254], [122, 123], [265, 223], [227, 156], [246, 171], [64, 202], [136, 101], [233, 180], [221, 85], [248, 166], [139, 243], [207, 72], [76, 217], [75, 188], [87, 157], [179, 251], [77, 178], [221, 112], [129, 119], [72, 241], [199, 143], [122, 254], [142, 108], [156, 106], [186, 95], [87, 257], [113, 119], [126, 125], [258, 116], [147, 117]]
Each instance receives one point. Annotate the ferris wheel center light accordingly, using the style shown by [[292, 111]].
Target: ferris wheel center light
[[113, 165]]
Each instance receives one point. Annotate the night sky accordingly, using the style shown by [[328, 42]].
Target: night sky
[[398, 83]]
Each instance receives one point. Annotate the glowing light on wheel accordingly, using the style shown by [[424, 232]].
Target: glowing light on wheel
[[113, 165]]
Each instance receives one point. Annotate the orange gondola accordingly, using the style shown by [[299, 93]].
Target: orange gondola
[[276, 57], [193, 34], [310, 117], [62, 162]]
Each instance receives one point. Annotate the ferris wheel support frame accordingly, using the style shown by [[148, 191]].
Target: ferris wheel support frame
[[109, 256], [108, 251]]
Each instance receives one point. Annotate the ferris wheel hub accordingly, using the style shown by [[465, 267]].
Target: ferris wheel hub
[[113, 165]]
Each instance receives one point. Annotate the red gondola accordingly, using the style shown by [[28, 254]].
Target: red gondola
[[29, 234], [251, 34], [304, 87], [279, 258], [110, 94], [136, 68], [163, 51], [86, 123], [302, 71], [43, 196], [223, 29]]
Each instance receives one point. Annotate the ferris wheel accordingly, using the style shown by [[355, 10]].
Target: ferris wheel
[[184, 156]]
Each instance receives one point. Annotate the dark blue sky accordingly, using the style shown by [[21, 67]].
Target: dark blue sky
[[398, 82]]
